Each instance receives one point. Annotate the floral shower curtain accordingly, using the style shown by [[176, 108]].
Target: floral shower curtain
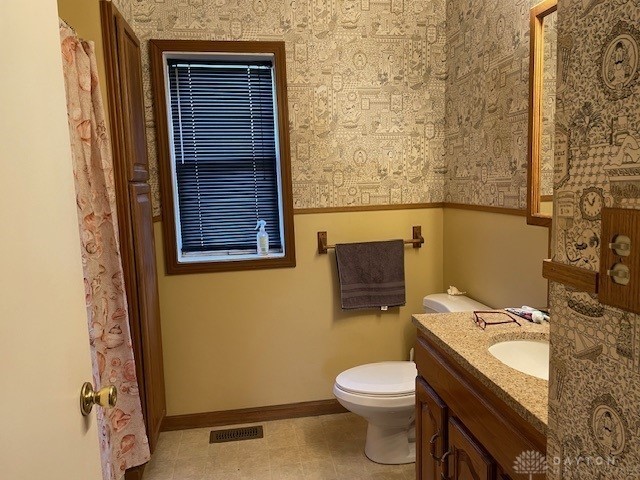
[[123, 441]]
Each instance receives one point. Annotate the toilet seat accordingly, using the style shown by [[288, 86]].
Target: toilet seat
[[383, 402], [383, 379]]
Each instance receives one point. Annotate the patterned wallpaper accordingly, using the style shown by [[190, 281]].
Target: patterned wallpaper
[[594, 409], [125, 7], [487, 102], [366, 89]]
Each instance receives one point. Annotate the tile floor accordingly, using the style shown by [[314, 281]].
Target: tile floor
[[329, 447]]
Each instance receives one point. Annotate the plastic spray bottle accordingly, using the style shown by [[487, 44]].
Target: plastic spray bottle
[[262, 239]]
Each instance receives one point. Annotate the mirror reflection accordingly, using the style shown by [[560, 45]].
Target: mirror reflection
[[542, 104], [550, 43]]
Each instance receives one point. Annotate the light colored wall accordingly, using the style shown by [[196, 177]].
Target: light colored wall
[[267, 337], [43, 319], [594, 387], [365, 86], [495, 258]]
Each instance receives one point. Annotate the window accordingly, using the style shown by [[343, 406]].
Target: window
[[223, 145]]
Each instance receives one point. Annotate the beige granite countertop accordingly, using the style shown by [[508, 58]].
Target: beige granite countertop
[[458, 335]]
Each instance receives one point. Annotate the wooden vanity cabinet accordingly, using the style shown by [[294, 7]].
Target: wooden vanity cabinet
[[431, 428], [450, 447], [464, 431], [467, 459]]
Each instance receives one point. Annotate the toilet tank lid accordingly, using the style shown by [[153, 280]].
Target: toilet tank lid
[[383, 378], [443, 302]]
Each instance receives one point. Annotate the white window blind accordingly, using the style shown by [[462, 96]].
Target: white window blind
[[226, 165]]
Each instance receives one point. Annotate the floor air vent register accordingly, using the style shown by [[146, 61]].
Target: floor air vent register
[[236, 434]]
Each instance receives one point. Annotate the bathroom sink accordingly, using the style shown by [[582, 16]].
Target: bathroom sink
[[526, 356]]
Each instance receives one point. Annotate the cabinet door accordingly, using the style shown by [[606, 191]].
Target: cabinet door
[[148, 307], [468, 460], [431, 432], [133, 103], [127, 99]]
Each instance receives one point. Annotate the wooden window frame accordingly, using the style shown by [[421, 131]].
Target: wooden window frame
[[157, 51]]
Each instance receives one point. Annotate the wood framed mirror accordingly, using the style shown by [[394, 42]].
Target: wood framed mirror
[[542, 93]]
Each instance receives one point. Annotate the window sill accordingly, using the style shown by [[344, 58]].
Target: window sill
[[230, 264], [191, 259]]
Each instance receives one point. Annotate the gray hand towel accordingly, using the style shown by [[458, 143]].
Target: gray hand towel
[[371, 274]]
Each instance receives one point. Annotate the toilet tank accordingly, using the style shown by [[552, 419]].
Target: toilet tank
[[443, 302]]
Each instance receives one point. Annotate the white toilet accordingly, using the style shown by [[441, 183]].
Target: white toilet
[[384, 394]]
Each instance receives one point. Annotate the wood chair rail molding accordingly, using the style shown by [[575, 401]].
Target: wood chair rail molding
[[404, 206], [414, 206], [579, 278]]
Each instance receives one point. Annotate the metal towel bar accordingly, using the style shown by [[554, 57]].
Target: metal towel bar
[[417, 241]]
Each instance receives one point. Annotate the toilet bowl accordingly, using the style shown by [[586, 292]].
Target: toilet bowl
[[383, 394]]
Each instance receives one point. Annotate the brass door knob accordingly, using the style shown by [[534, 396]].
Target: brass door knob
[[105, 397]]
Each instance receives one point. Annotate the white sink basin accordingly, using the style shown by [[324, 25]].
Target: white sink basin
[[526, 356]]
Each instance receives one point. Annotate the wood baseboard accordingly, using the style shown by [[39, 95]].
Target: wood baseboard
[[250, 415]]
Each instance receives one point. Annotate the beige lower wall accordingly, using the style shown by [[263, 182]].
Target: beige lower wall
[[496, 258], [247, 339]]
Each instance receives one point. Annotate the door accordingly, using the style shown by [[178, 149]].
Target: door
[[431, 432], [135, 216], [44, 342], [468, 460]]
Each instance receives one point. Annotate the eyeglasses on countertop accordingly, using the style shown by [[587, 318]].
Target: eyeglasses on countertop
[[483, 318]]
